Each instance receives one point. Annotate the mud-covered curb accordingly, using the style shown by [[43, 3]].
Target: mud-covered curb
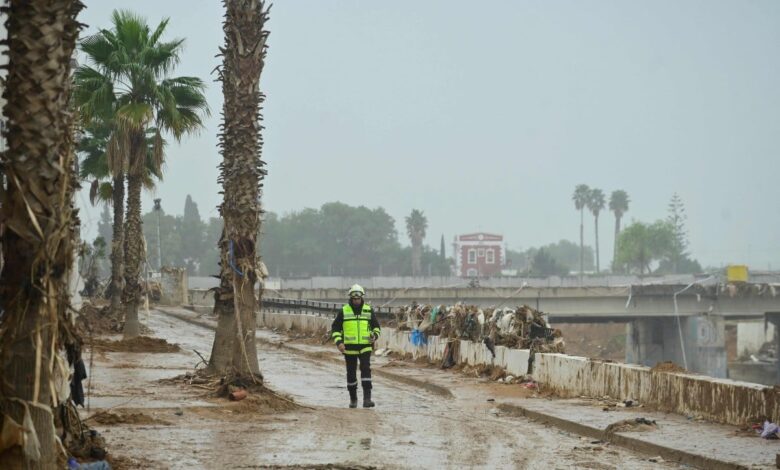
[[621, 440], [430, 387]]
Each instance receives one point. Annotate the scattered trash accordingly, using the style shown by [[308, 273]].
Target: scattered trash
[[530, 385], [770, 430], [632, 425], [522, 327], [491, 399], [657, 459], [237, 395], [417, 338], [73, 464], [179, 412]]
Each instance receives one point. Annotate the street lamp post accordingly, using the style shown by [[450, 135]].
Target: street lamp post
[[158, 209]]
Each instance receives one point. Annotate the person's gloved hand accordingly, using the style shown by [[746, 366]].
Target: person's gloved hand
[[373, 338], [342, 348]]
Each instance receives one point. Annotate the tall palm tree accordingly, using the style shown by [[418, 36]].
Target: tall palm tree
[[125, 84], [596, 203], [241, 174], [580, 198], [38, 219], [618, 204], [416, 225]]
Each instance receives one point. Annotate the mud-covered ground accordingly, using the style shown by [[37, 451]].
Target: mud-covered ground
[[150, 424]]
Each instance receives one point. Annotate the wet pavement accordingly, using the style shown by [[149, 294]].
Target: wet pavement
[[410, 427]]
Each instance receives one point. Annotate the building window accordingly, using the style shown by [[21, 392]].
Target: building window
[[490, 256], [471, 272], [481, 252], [472, 256]]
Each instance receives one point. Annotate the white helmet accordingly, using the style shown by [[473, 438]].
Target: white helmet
[[357, 291]]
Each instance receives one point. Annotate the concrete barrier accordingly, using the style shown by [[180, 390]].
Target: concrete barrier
[[201, 297], [720, 400], [514, 361]]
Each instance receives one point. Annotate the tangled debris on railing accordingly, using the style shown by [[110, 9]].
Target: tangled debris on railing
[[520, 327]]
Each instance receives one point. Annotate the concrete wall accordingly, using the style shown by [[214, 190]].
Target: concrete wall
[[720, 400], [201, 297], [514, 361], [173, 282]]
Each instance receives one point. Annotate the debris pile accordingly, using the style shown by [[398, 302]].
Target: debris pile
[[631, 425], [143, 344], [521, 327], [668, 366], [97, 320]]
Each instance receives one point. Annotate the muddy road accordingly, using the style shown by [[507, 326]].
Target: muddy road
[[410, 428]]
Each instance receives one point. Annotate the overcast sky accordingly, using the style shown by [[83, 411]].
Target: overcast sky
[[485, 115]]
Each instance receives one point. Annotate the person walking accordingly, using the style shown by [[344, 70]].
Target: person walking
[[354, 331]]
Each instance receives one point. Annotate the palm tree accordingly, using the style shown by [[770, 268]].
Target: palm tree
[[126, 87], [107, 187], [241, 174], [595, 203], [416, 224], [580, 198], [38, 219], [618, 204]]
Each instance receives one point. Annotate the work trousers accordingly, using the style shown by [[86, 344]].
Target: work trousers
[[365, 374]]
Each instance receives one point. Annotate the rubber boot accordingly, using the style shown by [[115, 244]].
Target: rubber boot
[[353, 398], [367, 403]]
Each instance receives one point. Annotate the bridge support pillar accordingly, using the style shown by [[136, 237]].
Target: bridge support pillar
[[703, 337]]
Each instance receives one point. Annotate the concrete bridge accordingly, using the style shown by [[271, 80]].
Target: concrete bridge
[[582, 304]]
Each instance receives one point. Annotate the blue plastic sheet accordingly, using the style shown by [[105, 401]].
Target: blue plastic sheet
[[417, 338]]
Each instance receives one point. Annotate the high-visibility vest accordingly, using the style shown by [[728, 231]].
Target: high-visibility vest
[[356, 328]]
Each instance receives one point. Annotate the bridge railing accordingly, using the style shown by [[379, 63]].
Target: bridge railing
[[316, 306]]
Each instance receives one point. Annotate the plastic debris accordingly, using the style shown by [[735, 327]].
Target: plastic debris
[[770, 430]]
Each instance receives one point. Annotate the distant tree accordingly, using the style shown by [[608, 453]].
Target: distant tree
[[544, 265], [564, 252], [596, 203], [642, 244], [193, 234], [580, 198], [208, 262], [618, 204], [676, 219], [416, 225]]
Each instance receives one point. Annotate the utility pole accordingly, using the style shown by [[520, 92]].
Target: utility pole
[[158, 209]]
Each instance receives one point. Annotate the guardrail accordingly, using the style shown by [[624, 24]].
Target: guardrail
[[316, 306]]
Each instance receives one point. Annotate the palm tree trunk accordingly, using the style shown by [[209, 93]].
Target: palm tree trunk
[[117, 243], [221, 358], [615, 244], [241, 175], [37, 215], [582, 242], [598, 265], [134, 255]]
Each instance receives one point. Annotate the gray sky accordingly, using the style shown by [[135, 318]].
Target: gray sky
[[485, 115]]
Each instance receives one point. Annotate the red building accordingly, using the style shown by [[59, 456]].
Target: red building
[[479, 254]]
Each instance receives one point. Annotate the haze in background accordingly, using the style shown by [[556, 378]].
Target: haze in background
[[486, 115]]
